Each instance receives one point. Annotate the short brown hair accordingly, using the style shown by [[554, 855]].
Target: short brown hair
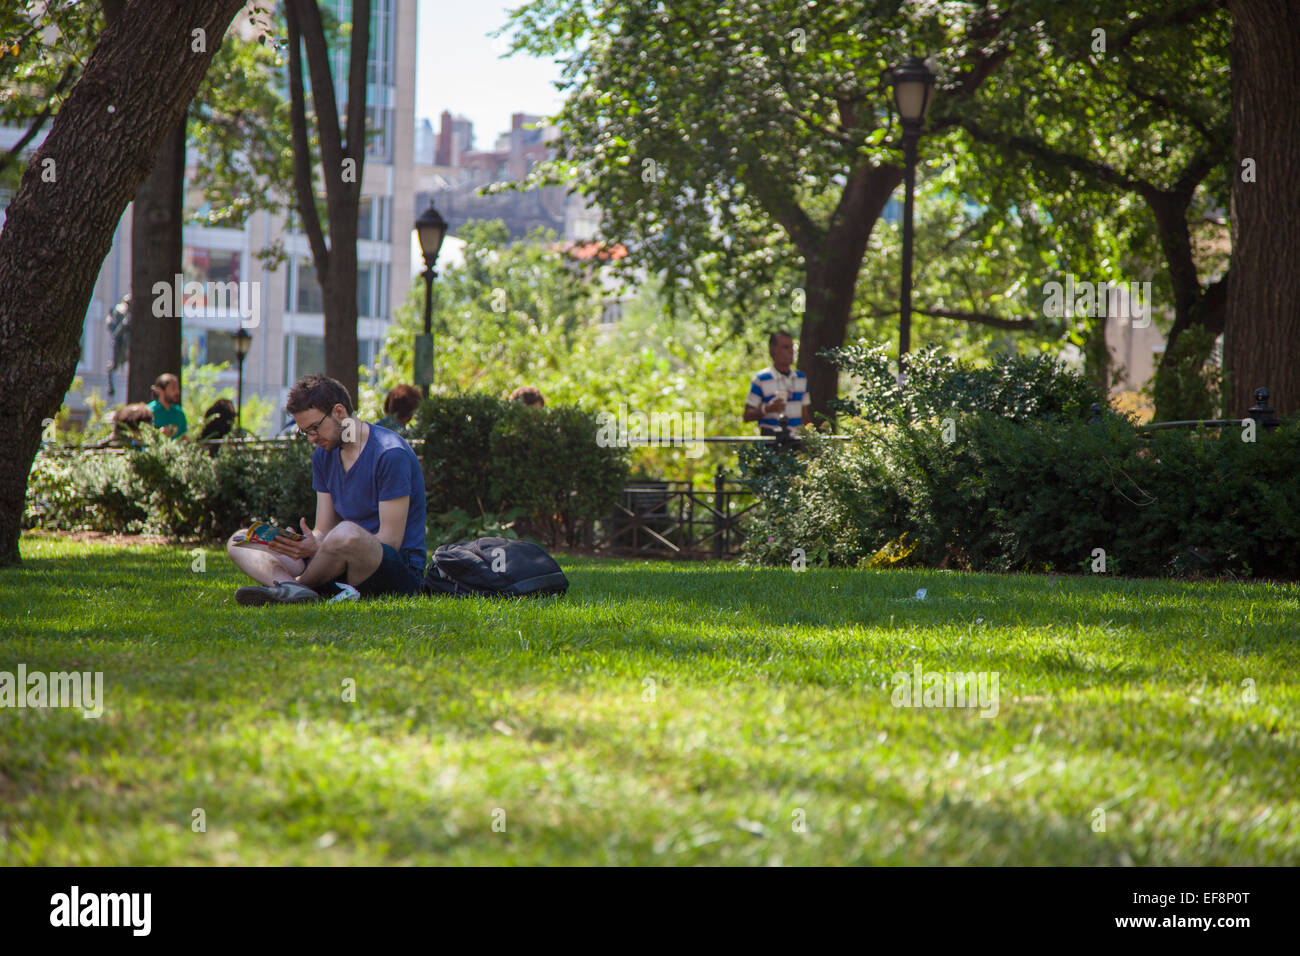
[[319, 392], [402, 401], [133, 415], [528, 394]]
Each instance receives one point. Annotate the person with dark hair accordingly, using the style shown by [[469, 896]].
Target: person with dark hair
[[369, 534], [399, 408], [126, 425], [777, 394], [530, 395], [168, 416], [218, 422]]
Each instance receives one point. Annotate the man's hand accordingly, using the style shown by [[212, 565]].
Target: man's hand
[[303, 549], [775, 407], [168, 430]]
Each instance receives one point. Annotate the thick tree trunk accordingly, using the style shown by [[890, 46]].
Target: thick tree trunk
[[341, 359], [156, 255], [59, 227], [1262, 341], [832, 276]]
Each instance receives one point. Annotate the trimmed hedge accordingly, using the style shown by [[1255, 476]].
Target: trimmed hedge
[[486, 456], [1041, 495]]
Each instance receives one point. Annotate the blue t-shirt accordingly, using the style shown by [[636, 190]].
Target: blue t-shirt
[[385, 469]]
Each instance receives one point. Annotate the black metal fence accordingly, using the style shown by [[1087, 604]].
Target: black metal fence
[[672, 519]]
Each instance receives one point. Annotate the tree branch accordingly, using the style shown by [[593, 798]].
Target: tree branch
[[68, 72], [1054, 157], [358, 63], [302, 179], [978, 318]]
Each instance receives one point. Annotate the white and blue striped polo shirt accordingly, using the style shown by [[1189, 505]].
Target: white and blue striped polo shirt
[[767, 384]]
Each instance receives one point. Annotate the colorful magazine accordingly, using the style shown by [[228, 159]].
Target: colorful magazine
[[260, 532]]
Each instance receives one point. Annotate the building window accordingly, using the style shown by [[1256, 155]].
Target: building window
[[209, 347], [379, 122], [310, 297], [210, 265], [368, 356], [364, 300], [365, 218], [303, 355]]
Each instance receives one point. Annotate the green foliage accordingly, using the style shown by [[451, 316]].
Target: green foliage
[[1190, 388], [457, 448], [172, 488], [1037, 495], [1012, 386], [483, 456], [239, 124], [43, 49], [199, 391], [459, 525], [524, 314], [547, 461], [74, 492]]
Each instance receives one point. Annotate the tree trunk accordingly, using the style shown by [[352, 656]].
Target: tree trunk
[[341, 359], [343, 154], [1262, 341], [832, 275], [134, 90], [156, 255]]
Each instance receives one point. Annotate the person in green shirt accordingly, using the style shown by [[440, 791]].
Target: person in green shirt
[[168, 416]]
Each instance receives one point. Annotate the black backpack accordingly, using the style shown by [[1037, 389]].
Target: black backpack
[[493, 567]]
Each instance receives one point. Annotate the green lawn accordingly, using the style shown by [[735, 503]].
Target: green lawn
[[770, 707]]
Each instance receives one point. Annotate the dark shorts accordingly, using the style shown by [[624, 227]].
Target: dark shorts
[[395, 575]]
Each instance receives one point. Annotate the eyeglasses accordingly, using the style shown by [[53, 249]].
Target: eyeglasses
[[311, 429]]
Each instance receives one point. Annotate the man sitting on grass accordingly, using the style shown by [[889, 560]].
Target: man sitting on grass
[[369, 510]]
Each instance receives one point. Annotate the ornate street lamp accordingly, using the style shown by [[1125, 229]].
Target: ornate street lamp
[[243, 341], [913, 84], [431, 229]]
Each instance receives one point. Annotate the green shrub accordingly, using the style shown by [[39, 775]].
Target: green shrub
[[457, 525], [547, 462], [79, 492], [171, 488], [1013, 386], [1042, 495], [483, 456], [457, 451], [272, 482]]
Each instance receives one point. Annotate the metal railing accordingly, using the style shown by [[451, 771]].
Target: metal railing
[[673, 519]]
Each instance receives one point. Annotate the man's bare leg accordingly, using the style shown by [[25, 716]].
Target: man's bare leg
[[349, 550], [262, 564]]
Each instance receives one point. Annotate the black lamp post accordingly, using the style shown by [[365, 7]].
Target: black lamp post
[[913, 83], [242, 343], [431, 229]]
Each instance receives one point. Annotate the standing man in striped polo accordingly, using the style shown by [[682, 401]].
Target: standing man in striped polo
[[777, 394]]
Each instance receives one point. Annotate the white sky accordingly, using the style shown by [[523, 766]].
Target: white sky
[[458, 69]]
